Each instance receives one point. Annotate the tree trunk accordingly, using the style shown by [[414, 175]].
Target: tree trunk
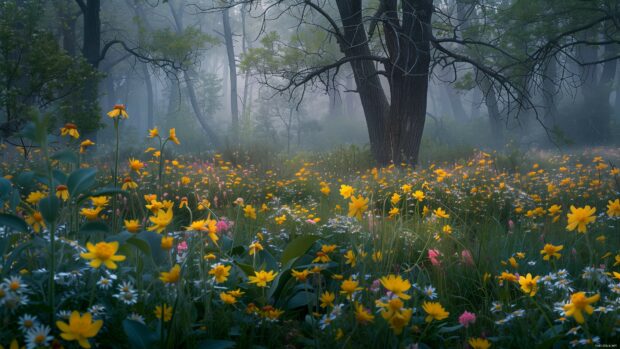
[[245, 44], [494, 115], [150, 123], [232, 67], [456, 104]]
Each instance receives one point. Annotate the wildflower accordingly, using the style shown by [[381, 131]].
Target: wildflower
[[119, 110], [429, 291], [34, 197], [167, 242], [161, 220], [35, 220], [350, 258], [227, 299], [579, 303], [255, 247], [325, 190], [103, 253], [349, 287], [270, 313], [358, 206], [249, 212], [80, 328], [261, 278], [127, 294], [165, 311], [172, 276], [377, 256], [362, 315], [396, 285], [435, 311], [419, 195], [479, 343], [346, 191], [467, 319], [91, 213], [551, 251], [406, 188], [172, 136], [136, 165], [128, 183], [327, 299], [395, 199], [433, 255], [300, 275], [580, 217], [528, 284], [220, 272], [613, 208], [394, 211], [132, 225], [39, 336], [70, 130], [62, 192], [281, 219], [85, 145], [185, 180], [440, 213], [154, 132]]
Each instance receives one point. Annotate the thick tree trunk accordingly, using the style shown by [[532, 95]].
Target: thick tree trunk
[[232, 67], [245, 44], [494, 115]]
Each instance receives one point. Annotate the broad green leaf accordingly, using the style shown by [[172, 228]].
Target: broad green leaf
[[13, 222], [297, 247], [90, 228], [50, 207], [139, 336], [81, 180]]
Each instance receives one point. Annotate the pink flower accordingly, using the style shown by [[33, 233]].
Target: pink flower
[[511, 225], [182, 246], [222, 226], [467, 258], [433, 255], [376, 286], [310, 221], [467, 319]]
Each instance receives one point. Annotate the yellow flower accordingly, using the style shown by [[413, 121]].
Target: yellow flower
[[172, 135], [261, 278], [185, 180], [85, 144], [100, 201], [479, 343], [362, 315], [79, 328], [580, 217], [358, 206], [62, 192], [119, 110], [325, 189], [447, 229], [249, 212], [220, 272], [406, 188], [529, 285], [327, 299], [154, 132], [172, 276], [167, 242], [396, 285], [227, 298], [554, 210], [349, 287], [393, 212], [613, 208], [399, 320], [70, 130], [90, 213], [281, 219], [161, 220], [395, 199], [102, 253], [419, 195], [435, 311], [166, 312], [440, 213], [346, 191], [551, 251], [35, 220], [34, 197], [135, 164], [579, 303], [350, 258], [132, 225], [255, 247], [128, 183], [301, 276]]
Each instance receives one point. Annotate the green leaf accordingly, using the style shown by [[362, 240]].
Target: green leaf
[[13, 222], [66, 155], [91, 228], [107, 191], [297, 248], [5, 188], [301, 299], [50, 207], [138, 335], [141, 244], [154, 242], [216, 344], [25, 179], [246, 268], [448, 329], [81, 180]]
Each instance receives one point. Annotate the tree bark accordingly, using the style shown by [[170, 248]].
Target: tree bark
[[232, 67]]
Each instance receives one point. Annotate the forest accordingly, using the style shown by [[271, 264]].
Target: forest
[[222, 174]]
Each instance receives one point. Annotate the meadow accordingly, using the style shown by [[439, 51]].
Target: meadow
[[166, 250]]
